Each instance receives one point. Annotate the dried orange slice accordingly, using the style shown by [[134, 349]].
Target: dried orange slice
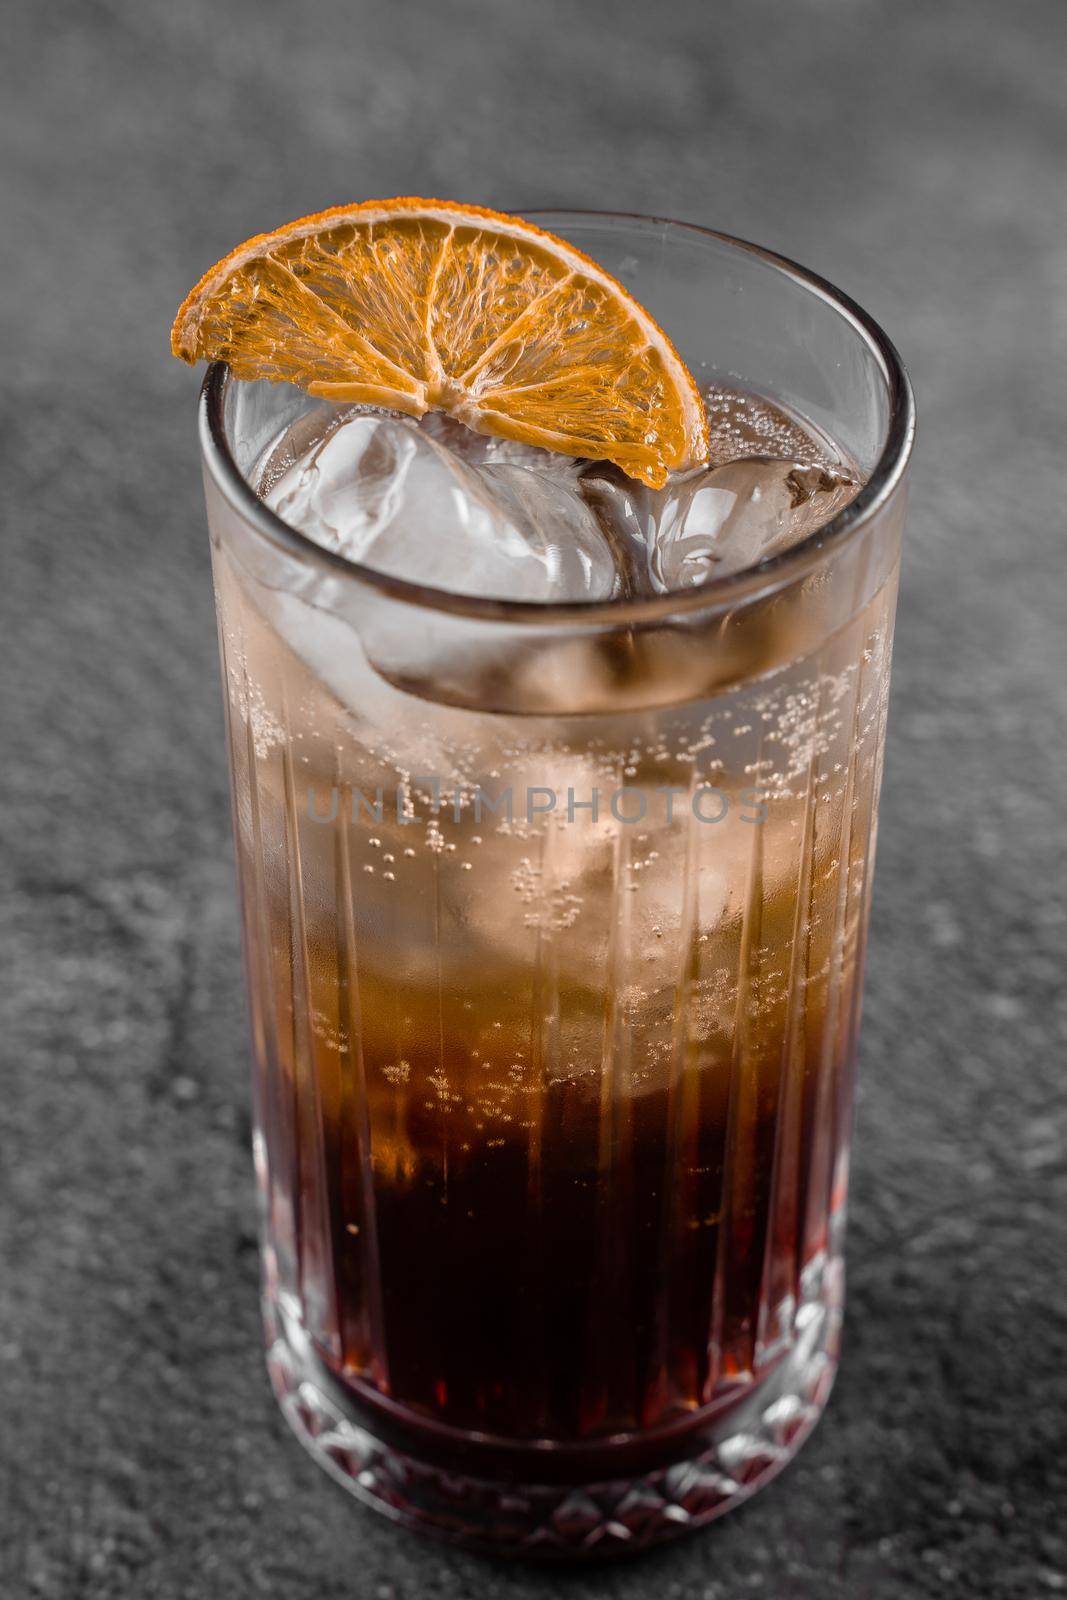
[[427, 305]]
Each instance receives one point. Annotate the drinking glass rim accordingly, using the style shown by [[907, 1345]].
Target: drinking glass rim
[[714, 594]]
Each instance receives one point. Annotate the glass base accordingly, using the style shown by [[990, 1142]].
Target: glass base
[[721, 1459]]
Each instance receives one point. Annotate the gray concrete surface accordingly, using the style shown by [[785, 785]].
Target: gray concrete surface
[[915, 154]]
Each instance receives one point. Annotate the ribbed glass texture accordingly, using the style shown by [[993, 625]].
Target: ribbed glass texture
[[553, 1102]]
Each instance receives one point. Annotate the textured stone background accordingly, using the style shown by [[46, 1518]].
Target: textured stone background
[[914, 153]]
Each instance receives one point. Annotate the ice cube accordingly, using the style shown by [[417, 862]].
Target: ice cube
[[623, 508], [710, 522], [723, 519], [394, 495]]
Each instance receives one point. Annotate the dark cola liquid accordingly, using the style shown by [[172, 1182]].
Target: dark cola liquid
[[584, 1292]]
